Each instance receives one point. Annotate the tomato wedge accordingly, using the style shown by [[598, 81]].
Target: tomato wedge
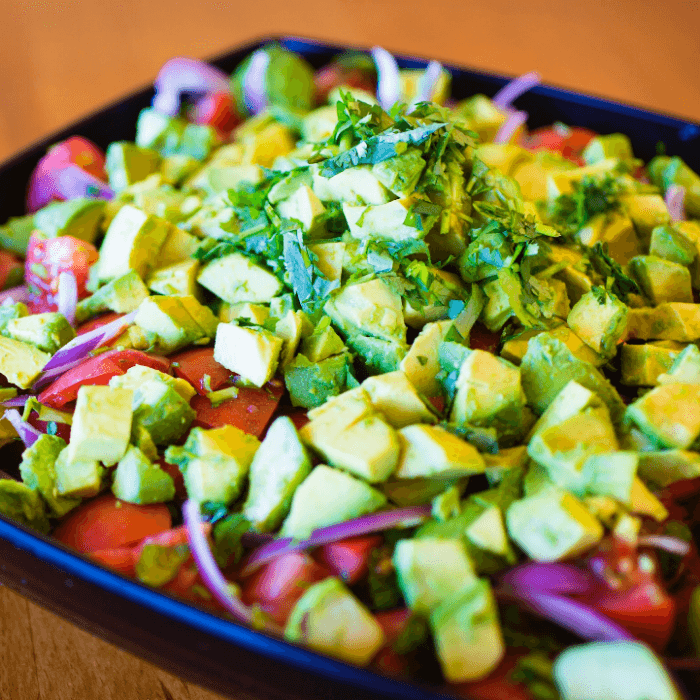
[[349, 558], [107, 523], [120, 559], [196, 364], [216, 109], [98, 370], [568, 141]]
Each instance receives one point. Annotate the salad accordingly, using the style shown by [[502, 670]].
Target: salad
[[385, 374]]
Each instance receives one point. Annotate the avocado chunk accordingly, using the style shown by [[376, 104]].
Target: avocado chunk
[[468, 638], [622, 670], [322, 343], [15, 233], [79, 217], [665, 171], [236, 278], [214, 462], [127, 163], [552, 525], [670, 321], [669, 244], [78, 479], [138, 480], [642, 365], [600, 320], [685, 367], [23, 504], [669, 414], [421, 363], [611, 474], [662, 280], [328, 496], [668, 466], [608, 146], [393, 395], [647, 211], [330, 619], [20, 362], [305, 207], [377, 356], [174, 136], [48, 331], [431, 570], [280, 464], [38, 470], [488, 532], [179, 279], [388, 221], [357, 186], [121, 295], [101, 425], [401, 173], [310, 384]]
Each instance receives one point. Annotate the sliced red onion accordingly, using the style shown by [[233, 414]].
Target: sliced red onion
[[428, 82], [374, 522], [14, 295], [512, 90], [547, 578], [185, 75], [674, 545], [67, 297], [71, 182], [16, 402], [209, 570], [512, 123], [255, 82], [388, 80], [675, 202], [27, 433]]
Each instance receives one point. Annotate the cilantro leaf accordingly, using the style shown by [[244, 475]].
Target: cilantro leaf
[[616, 281], [590, 196]]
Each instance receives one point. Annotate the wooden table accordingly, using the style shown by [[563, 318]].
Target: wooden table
[[60, 60]]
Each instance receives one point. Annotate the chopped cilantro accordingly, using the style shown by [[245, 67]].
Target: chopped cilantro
[[616, 281]]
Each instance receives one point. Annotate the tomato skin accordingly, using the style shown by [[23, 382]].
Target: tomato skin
[[80, 151], [567, 141], [46, 259], [119, 559], [106, 523], [349, 558], [332, 76], [217, 109], [97, 370], [193, 365]]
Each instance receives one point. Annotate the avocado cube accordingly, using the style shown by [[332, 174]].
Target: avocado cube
[[318, 125], [11, 311], [563, 183], [506, 157], [20, 362], [468, 638], [179, 279], [310, 384], [132, 242], [322, 343], [608, 146], [401, 173], [79, 217], [329, 258], [662, 280], [330, 619], [122, 295], [432, 451], [671, 321], [611, 474], [552, 525], [162, 412], [387, 221], [600, 320], [685, 367], [444, 288], [377, 356], [305, 207], [668, 466], [101, 425], [251, 351], [483, 116], [138, 480], [38, 470], [202, 316], [48, 331], [644, 502], [674, 171], [23, 504], [127, 163], [393, 395], [421, 363], [669, 244], [431, 570], [15, 233], [669, 414], [357, 186], [236, 278], [326, 497], [641, 365], [79, 479], [488, 532], [169, 321], [280, 464], [255, 314]]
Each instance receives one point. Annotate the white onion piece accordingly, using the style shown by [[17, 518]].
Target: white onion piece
[[67, 297], [512, 123], [427, 83], [674, 545], [388, 80], [254, 82], [675, 202], [512, 90], [27, 433]]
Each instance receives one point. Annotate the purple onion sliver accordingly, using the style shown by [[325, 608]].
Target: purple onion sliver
[[71, 182], [512, 123], [14, 295], [546, 578], [374, 522], [27, 433], [16, 402], [49, 376], [512, 90], [428, 82], [675, 202], [255, 82], [67, 298], [674, 545], [389, 82]]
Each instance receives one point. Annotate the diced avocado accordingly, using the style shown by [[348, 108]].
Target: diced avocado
[[393, 395], [202, 316], [23, 504], [305, 207], [624, 670], [79, 217], [21, 363], [173, 135], [665, 171], [15, 233], [328, 496], [641, 365], [177, 168], [431, 571], [662, 280], [548, 366], [685, 368], [127, 163], [122, 295], [289, 329], [101, 425], [178, 279], [671, 321], [48, 331], [468, 638], [669, 244], [178, 246], [444, 288], [349, 434], [280, 464], [329, 258], [38, 470], [421, 363], [615, 229], [668, 466], [387, 221], [447, 504], [214, 462], [249, 351], [401, 173], [138, 480], [488, 532], [318, 125], [611, 474], [11, 311], [236, 278], [132, 242], [370, 308], [264, 145], [432, 451], [375, 355], [311, 383], [532, 174], [644, 502], [552, 525], [415, 492], [608, 146], [483, 116], [647, 211], [330, 619], [322, 343], [563, 183], [506, 157], [670, 414], [256, 314], [357, 186], [78, 479], [600, 320]]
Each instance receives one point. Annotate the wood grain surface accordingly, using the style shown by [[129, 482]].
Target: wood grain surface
[[61, 60]]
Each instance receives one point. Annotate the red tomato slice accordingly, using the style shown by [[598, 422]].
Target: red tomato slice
[[98, 370], [216, 109], [46, 259], [250, 411], [334, 75], [11, 270], [80, 151], [193, 365], [481, 338], [568, 141], [348, 559], [120, 559], [106, 523]]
